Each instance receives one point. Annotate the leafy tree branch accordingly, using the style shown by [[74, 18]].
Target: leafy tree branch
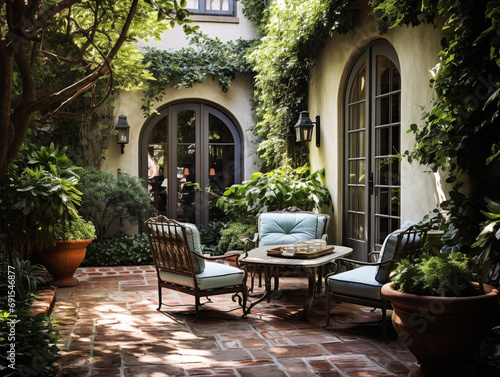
[[52, 52]]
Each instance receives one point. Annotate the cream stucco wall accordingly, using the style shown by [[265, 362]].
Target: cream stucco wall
[[222, 27], [417, 50], [236, 102]]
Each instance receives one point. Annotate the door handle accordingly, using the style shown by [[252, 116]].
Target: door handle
[[370, 183]]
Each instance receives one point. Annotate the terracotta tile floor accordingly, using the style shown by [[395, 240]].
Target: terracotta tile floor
[[110, 327]]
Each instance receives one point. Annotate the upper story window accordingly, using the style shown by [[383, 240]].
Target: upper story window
[[212, 7]]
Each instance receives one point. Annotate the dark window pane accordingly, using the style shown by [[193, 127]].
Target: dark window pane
[[382, 140], [159, 134], [382, 176], [157, 178], [186, 126], [357, 116], [382, 226], [395, 108], [186, 172], [358, 89], [395, 172], [382, 110], [395, 202], [357, 147], [356, 226], [396, 78], [383, 72], [382, 201], [218, 131], [395, 140], [221, 167]]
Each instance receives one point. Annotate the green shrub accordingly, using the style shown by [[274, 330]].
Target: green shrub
[[449, 275], [35, 196], [27, 342], [276, 190], [18, 277], [121, 250], [210, 235], [76, 229], [107, 200], [230, 236]]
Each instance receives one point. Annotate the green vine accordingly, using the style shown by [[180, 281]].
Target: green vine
[[292, 34], [187, 66], [256, 11], [461, 132]]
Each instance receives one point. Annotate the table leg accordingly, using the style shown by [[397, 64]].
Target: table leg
[[267, 291], [319, 285], [311, 275]]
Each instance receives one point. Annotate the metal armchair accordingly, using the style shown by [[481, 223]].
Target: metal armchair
[[362, 285], [180, 265]]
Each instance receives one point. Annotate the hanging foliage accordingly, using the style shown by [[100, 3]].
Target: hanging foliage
[[461, 131], [190, 65], [282, 59]]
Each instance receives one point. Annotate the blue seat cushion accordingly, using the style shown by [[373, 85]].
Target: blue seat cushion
[[287, 228], [215, 275], [359, 282]]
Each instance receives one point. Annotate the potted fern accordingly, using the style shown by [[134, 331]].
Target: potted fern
[[439, 311]]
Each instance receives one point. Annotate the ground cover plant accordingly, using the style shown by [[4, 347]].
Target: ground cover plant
[[119, 250]]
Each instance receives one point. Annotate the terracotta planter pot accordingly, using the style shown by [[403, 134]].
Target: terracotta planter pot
[[63, 259], [441, 332]]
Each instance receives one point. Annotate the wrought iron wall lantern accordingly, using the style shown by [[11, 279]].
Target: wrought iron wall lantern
[[123, 128], [304, 128]]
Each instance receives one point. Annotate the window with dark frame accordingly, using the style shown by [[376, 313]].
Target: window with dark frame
[[212, 7]]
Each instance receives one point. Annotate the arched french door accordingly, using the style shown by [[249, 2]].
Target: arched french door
[[185, 149], [372, 127]]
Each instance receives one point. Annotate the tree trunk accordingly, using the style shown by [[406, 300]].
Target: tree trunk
[[7, 130]]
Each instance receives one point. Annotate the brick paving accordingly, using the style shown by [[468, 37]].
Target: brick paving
[[110, 327]]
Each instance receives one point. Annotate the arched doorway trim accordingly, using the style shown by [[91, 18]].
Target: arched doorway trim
[[190, 141]]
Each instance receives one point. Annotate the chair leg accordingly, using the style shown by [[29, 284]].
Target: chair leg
[[328, 308], [197, 304], [244, 293], [159, 297], [384, 319]]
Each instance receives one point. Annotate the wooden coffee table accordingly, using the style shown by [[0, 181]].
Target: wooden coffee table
[[312, 266]]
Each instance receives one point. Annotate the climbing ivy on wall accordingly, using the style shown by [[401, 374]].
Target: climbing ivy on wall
[[282, 58], [461, 130], [184, 67], [255, 10]]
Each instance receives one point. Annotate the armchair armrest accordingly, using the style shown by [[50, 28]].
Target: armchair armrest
[[350, 263], [229, 254], [373, 255]]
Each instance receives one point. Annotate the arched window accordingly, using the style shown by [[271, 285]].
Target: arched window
[[187, 146], [372, 127]]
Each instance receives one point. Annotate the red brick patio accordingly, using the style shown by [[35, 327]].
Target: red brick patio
[[111, 327]]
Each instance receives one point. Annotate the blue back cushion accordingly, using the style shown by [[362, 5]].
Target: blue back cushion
[[387, 252], [194, 241], [287, 228]]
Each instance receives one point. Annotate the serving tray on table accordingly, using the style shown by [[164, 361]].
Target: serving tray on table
[[278, 252]]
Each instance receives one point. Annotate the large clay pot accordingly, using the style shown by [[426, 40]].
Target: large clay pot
[[441, 332], [63, 259]]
